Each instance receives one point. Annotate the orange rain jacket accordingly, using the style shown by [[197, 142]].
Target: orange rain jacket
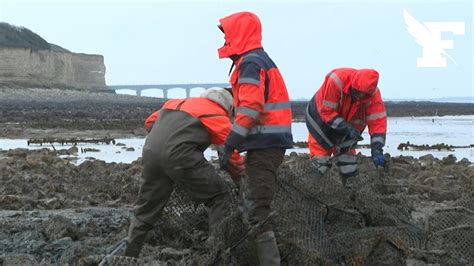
[[333, 103], [263, 111], [214, 119]]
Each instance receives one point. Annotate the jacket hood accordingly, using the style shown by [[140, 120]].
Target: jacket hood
[[243, 32], [365, 81]]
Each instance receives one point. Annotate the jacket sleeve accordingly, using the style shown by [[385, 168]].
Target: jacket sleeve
[[376, 118], [151, 120], [219, 128], [328, 101], [251, 99]]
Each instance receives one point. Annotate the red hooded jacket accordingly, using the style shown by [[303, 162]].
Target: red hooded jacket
[[333, 103], [263, 111]]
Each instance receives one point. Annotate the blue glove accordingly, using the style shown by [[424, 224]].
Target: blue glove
[[379, 160]]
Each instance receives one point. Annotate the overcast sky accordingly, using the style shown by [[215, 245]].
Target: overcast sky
[[160, 42]]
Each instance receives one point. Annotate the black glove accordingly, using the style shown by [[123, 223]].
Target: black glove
[[352, 133], [225, 157], [342, 127]]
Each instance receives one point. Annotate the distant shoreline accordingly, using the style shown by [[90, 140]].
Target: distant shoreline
[[41, 112], [407, 109]]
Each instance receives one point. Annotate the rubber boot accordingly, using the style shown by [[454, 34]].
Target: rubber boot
[[136, 238], [267, 249]]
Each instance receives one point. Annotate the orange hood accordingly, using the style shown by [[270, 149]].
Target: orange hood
[[365, 81], [243, 32]]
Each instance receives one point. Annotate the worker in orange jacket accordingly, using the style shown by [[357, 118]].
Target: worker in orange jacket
[[347, 102], [262, 124], [173, 155]]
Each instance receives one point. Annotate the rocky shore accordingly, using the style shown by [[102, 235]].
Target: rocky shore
[[417, 212], [54, 112]]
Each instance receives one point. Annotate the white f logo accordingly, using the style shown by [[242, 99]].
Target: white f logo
[[428, 36]]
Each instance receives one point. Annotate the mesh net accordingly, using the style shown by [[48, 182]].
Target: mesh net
[[452, 230], [319, 221]]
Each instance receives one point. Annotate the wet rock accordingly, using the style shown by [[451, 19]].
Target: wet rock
[[140, 132], [400, 171], [449, 160], [14, 202], [51, 204], [403, 160], [173, 254], [120, 144], [47, 260], [73, 149], [47, 157], [69, 151], [31, 164], [464, 161], [427, 160], [130, 149], [432, 181], [115, 260], [18, 153], [20, 259], [63, 242], [71, 158], [89, 150], [427, 157], [468, 177], [74, 252], [443, 195], [60, 227]]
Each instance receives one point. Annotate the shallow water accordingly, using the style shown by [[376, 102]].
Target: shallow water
[[452, 130]]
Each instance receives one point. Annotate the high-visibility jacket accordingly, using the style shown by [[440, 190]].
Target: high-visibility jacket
[[151, 120], [262, 105], [333, 103], [213, 117]]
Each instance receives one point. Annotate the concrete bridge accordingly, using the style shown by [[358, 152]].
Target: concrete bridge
[[166, 87]]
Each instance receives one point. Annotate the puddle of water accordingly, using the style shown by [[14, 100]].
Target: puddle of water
[[452, 130]]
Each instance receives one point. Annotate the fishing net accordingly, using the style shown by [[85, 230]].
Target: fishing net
[[319, 221], [388, 217]]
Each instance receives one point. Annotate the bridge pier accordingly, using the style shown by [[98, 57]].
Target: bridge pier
[[165, 87]]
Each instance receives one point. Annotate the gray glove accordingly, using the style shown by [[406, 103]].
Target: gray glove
[[321, 164]]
